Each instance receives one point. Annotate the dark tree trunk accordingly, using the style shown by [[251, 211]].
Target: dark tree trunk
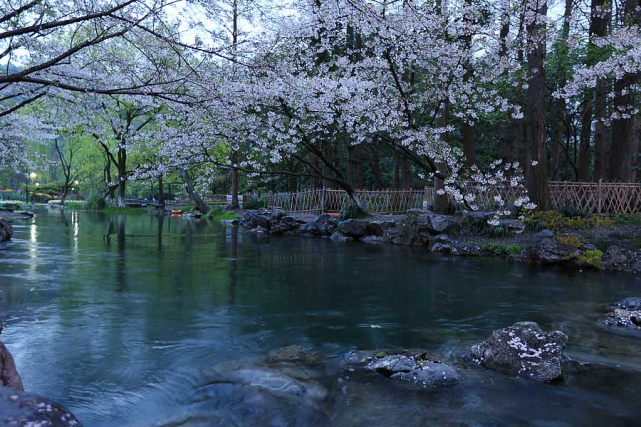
[[406, 173], [192, 192], [397, 171], [234, 180], [161, 192], [537, 178], [328, 151], [376, 166], [355, 154]]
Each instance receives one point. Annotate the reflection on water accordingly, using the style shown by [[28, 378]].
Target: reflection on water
[[116, 315]]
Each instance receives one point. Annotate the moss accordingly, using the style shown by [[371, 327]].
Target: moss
[[500, 249], [627, 219]]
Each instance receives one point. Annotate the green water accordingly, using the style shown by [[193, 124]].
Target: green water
[[114, 316]]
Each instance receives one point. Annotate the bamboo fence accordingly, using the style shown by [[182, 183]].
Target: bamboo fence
[[595, 198]]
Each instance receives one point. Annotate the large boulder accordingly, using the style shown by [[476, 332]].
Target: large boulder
[[548, 250], [355, 228], [620, 259], [323, 225], [6, 231], [630, 303], [284, 225], [434, 223], [513, 226], [26, 409], [523, 349], [258, 218], [414, 367]]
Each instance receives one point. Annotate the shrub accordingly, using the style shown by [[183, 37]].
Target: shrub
[[252, 203], [591, 259], [627, 219], [95, 202], [351, 212], [554, 220], [570, 240]]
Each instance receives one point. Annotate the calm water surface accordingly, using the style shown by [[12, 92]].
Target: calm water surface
[[115, 316]]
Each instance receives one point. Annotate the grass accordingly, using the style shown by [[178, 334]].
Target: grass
[[220, 215], [627, 219]]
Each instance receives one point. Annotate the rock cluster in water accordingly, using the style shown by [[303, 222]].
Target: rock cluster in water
[[6, 231], [426, 228], [625, 317], [525, 350], [414, 367], [18, 408]]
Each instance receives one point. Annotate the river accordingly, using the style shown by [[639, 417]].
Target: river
[[114, 316]]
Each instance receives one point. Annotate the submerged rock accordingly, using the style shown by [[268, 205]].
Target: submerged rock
[[415, 367], [6, 231], [285, 387], [625, 318], [525, 350], [26, 409], [230, 222]]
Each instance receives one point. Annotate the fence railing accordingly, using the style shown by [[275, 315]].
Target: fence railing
[[586, 197]]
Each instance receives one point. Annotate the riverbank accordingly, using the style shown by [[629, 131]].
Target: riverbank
[[545, 239]]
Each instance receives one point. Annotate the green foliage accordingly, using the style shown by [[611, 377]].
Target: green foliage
[[351, 212], [591, 259], [95, 202], [496, 230], [500, 249], [570, 240], [627, 219], [252, 203], [555, 220], [219, 214]]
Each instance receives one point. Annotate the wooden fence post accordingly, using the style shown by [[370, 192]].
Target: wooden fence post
[[600, 195]]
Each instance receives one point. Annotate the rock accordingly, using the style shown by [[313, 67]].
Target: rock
[[9, 376], [544, 234], [283, 388], [550, 251], [523, 349], [442, 238], [620, 259], [476, 218], [230, 222], [6, 231], [284, 224], [26, 409], [433, 222], [254, 219], [403, 231], [355, 228], [513, 226], [457, 248], [415, 367], [630, 303], [340, 237], [323, 225], [292, 354], [375, 240]]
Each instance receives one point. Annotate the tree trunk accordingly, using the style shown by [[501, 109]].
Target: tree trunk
[[586, 135], [376, 167], [234, 180], [161, 192], [441, 203], [355, 154], [192, 192], [406, 173], [397, 171], [599, 22], [537, 179], [328, 150]]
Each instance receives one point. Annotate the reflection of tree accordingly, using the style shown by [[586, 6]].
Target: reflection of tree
[[121, 273], [161, 221], [233, 264]]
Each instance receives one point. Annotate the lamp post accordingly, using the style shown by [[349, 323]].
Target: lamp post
[[33, 176]]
